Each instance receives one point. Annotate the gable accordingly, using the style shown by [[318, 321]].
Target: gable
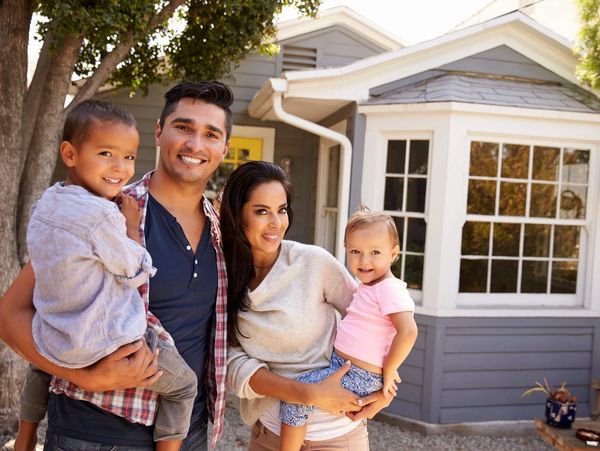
[[333, 46]]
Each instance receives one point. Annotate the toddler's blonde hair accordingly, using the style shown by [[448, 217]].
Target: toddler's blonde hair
[[364, 218]]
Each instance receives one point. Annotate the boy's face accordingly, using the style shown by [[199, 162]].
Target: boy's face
[[105, 160], [371, 252]]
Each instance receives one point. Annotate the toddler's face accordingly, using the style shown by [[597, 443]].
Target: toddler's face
[[104, 161], [371, 252]]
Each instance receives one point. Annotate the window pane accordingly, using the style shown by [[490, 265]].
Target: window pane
[[419, 154], [394, 187], [537, 240], [504, 276], [415, 195], [482, 197], [543, 200], [484, 159], [545, 163], [572, 202], [400, 227], [415, 237], [413, 271], [476, 238], [566, 241], [534, 277], [473, 276], [506, 239], [396, 157], [512, 199], [515, 161], [564, 277], [575, 166]]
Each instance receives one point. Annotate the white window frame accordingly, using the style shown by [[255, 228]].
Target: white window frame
[[491, 300], [384, 138]]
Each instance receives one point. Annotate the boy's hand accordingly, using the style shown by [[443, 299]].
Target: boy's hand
[[390, 384], [132, 213]]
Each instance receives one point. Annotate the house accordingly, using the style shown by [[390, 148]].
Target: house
[[485, 149]]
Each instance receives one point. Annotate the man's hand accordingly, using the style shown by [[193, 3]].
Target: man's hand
[[132, 365], [132, 213], [372, 405], [328, 395]]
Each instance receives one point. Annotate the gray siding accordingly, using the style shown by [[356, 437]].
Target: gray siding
[[503, 60], [477, 368], [336, 46]]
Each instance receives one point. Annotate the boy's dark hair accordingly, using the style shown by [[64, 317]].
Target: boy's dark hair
[[80, 119], [213, 92]]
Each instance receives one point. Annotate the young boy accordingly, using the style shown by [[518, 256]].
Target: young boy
[[88, 264], [378, 331]]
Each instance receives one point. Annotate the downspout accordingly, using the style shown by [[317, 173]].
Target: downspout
[[345, 163]]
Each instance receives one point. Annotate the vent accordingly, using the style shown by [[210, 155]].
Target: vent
[[299, 58]]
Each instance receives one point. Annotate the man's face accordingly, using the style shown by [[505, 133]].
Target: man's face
[[192, 141]]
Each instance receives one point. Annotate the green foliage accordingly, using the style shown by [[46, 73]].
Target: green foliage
[[205, 39], [588, 48]]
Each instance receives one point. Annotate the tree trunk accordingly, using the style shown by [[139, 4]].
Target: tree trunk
[[48, 130], [15, 18]]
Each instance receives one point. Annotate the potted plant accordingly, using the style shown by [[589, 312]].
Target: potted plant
[[560, 404]]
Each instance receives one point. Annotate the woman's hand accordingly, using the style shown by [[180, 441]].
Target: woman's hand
[[132, 365], [328, 395], [372, 405]]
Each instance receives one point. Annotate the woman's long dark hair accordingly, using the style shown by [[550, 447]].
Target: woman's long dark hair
[[237, 251]]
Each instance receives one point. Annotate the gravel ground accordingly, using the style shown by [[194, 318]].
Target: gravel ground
[[383, 437]]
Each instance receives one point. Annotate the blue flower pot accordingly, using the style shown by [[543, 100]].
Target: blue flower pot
[[560, 414]]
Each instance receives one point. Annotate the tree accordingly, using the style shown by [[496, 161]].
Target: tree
[[588, 48], [126, 43]]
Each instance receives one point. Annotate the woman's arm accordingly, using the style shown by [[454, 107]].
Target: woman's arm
[[132, 365], [251, 378], [327, 395]]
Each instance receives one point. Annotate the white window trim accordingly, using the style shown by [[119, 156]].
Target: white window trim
[[584, 272], [267, 135], [378, 180]]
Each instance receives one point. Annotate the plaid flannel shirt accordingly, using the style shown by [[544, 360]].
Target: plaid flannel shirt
[[139, 405]]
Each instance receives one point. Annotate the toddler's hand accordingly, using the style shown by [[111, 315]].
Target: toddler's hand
[[132, 213], [390, 381]]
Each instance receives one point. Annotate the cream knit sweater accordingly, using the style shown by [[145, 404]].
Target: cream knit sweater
[[290, 326]]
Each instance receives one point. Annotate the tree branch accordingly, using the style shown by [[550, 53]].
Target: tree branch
[[118, 54], [33, 98]]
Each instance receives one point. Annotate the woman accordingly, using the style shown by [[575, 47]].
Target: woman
[[282, 299]]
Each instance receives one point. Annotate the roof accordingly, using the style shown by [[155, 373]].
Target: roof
[[492, 90], [342, 16]]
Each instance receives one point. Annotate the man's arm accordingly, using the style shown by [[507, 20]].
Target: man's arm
[[132, 365]]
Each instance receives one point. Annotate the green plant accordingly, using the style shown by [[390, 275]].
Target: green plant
[[561, 394]]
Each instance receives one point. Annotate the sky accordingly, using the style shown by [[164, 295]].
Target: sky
[[410, 20]]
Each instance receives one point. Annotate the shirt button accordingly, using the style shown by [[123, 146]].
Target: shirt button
[[188, 247], [195, 274], [195, 262]]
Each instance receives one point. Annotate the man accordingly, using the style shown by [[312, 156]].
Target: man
[[188, 295]]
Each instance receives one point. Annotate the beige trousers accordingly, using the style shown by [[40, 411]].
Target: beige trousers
[[262, 439]]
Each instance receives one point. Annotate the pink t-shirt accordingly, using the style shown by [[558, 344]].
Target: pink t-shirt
[[366, 333]]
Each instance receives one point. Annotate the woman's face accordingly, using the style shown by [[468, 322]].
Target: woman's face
[[265, 219]]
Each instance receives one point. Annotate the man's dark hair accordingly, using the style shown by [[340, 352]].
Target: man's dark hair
[[80, 119], [213, 92]]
